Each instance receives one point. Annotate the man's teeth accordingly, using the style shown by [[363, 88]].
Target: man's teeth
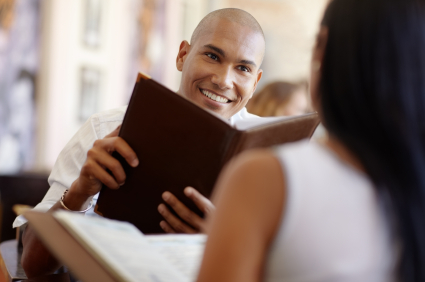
[[214, 97]]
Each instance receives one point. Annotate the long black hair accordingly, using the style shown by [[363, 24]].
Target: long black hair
[[372, 93]]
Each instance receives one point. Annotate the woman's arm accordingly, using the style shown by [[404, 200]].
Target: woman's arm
[[250, 197]]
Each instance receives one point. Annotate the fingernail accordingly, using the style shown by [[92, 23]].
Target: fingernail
[[121, 184], [166, 196], [135, 163], [188, 191], [160, 208]]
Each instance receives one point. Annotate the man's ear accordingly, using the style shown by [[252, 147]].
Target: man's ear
[[259, 75], [181, 56]]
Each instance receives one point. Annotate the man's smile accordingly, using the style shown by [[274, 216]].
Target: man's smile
[[215, 97]]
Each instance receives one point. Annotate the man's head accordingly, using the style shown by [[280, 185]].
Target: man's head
[[221, 65]]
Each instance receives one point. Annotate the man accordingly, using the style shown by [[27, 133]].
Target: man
[[220, 71]]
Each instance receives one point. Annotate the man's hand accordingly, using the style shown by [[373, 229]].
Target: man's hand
[[192, 223], [36, 259], [94, 171]]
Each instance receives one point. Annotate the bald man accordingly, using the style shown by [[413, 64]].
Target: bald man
[[220, 71]]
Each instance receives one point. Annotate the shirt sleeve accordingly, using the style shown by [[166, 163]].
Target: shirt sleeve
[[68, 165]]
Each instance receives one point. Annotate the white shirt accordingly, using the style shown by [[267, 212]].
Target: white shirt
[[71, 159], [333, 227]]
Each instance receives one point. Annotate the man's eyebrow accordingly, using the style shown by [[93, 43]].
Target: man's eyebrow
[[222, 53], [218, 50], [247, 62]]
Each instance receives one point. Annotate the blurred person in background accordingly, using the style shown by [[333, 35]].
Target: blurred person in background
[[353, 207], [280, 99]]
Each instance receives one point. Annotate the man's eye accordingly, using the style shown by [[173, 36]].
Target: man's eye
[[243, 68], [212, 56]]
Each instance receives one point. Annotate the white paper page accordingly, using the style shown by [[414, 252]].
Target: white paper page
[[253, 122], [124, 249], [183, 251]]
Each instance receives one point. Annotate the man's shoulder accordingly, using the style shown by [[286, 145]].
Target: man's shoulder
[[112, 115], [105, 122], [242, 115]]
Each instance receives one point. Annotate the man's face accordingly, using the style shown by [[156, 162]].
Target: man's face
[[220, 70]]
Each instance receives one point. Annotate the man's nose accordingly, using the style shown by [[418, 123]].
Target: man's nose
[[223, 78]]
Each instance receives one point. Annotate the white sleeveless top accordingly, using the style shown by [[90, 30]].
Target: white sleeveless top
[[332, 228]]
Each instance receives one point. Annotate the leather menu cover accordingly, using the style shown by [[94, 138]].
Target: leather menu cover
[[178, 144], [288, 130]]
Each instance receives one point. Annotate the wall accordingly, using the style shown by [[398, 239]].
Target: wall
[[62, 58], [290, 28]]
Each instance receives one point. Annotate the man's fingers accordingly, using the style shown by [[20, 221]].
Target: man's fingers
[[166, 227], [200, 201], [118, 144], [182, 211], [94, 171], [105, 160], [174, 222]]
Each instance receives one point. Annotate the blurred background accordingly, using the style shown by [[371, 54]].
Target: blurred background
[[63, 60]]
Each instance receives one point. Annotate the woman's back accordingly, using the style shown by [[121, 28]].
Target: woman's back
[[333, 227]]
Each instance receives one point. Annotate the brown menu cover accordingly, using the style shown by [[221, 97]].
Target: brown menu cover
[[180, 144]]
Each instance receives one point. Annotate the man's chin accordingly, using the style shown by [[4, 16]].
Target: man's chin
[[221, 111]]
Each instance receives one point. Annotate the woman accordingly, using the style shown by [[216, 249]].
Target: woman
[[351, 209]]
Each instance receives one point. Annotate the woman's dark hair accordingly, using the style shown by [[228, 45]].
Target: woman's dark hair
[[372, 94]]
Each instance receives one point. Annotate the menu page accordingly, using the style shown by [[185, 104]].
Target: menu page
[[131, 256], [184, 251]]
